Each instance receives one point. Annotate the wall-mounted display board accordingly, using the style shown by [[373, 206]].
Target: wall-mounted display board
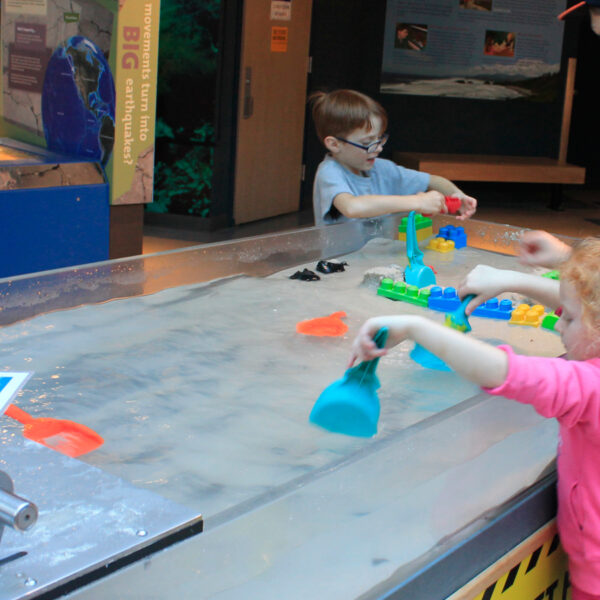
[[479, 49], [80, 79]]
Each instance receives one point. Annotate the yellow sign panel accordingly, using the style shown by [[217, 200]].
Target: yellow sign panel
[[279, 39], [536, 569]]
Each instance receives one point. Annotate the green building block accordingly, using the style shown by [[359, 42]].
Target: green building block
[[423, 227], [552, 275], [549, 321], [420, 223], [401, 291]]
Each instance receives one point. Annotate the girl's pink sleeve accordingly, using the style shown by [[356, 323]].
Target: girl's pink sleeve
[[568, 390]]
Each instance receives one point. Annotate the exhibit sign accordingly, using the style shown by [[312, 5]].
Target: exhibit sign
[[483, 49], [10, 384], [535, 569], [281, 10], [80, 79]]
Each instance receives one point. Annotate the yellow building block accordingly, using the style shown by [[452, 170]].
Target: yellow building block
[[439, 244], [528, 315], [422, 234]]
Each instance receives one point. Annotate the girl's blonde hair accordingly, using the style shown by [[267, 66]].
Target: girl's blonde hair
[[341, 112], [582, 270]]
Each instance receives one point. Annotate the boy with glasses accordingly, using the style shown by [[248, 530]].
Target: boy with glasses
[[352, 182]]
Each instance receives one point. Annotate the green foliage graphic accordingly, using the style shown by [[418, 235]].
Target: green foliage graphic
[[183, 182], [187, 67]]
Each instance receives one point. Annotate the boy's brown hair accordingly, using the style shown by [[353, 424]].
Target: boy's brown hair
[[340, 112], [582, 271]]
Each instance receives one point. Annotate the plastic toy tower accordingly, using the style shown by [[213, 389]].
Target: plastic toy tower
[[456, 234], [79, 79], [423, 226]]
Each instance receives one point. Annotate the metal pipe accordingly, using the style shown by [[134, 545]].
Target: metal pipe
[[15, 512]]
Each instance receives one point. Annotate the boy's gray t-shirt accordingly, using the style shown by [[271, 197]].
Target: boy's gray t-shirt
[[385, 178]]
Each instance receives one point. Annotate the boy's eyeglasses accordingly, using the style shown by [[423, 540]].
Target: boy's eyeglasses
[[372, 147]]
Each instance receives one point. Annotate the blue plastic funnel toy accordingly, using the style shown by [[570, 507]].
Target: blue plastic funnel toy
[[416, 273], [350, 405], [456, 320]]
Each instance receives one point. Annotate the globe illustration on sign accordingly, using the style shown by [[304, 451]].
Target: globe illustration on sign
[[78, 101]]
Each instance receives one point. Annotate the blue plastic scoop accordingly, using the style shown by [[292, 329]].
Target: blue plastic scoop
[[416, 273], [350, 405], [456, 320]]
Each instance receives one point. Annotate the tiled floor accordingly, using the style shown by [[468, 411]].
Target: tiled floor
[[521, 205]]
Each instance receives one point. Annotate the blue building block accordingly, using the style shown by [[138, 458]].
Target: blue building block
[[444, 300], [495, 309], [456, 234]]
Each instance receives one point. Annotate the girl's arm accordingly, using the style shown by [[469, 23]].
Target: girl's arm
[[475, 360], [543, 249], [487, 282]]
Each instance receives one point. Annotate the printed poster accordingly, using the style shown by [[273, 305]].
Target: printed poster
[[487, 49], [79, 78]]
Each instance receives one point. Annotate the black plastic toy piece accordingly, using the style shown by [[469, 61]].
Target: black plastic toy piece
[[305, 275], [324, 266]]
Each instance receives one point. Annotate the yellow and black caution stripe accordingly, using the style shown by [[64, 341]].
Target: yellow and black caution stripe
[[535, 570]]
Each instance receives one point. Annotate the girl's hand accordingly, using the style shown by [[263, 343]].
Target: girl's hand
[[364, 348], [540, 248], [485, 282]]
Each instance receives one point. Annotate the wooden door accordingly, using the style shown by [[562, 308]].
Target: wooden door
[[273, 74]]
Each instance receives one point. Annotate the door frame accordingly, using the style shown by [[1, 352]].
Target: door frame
[[226, 111]]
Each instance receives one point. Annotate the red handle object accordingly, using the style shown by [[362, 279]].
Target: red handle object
[[452, 204]]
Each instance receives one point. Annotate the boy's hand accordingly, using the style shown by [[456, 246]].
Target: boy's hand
[[485, 282], [432, 202], [468, 206], [540, 248]]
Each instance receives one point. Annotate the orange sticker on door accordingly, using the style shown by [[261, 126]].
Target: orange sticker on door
[[279, 39]]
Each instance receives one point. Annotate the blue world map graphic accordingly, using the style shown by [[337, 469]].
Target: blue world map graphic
[[78, 101]]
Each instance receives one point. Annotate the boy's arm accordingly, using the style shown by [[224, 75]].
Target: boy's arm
[[475, 360], [487, 282], [376, 205], [447, 188]]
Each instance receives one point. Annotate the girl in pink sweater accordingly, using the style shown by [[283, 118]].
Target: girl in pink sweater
[[566, 388]]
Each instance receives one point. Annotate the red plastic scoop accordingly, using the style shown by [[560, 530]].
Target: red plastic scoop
[[331, 326], [66, 437]]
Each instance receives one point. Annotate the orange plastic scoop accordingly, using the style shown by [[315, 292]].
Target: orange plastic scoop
[[66, 437], [324, 326]]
